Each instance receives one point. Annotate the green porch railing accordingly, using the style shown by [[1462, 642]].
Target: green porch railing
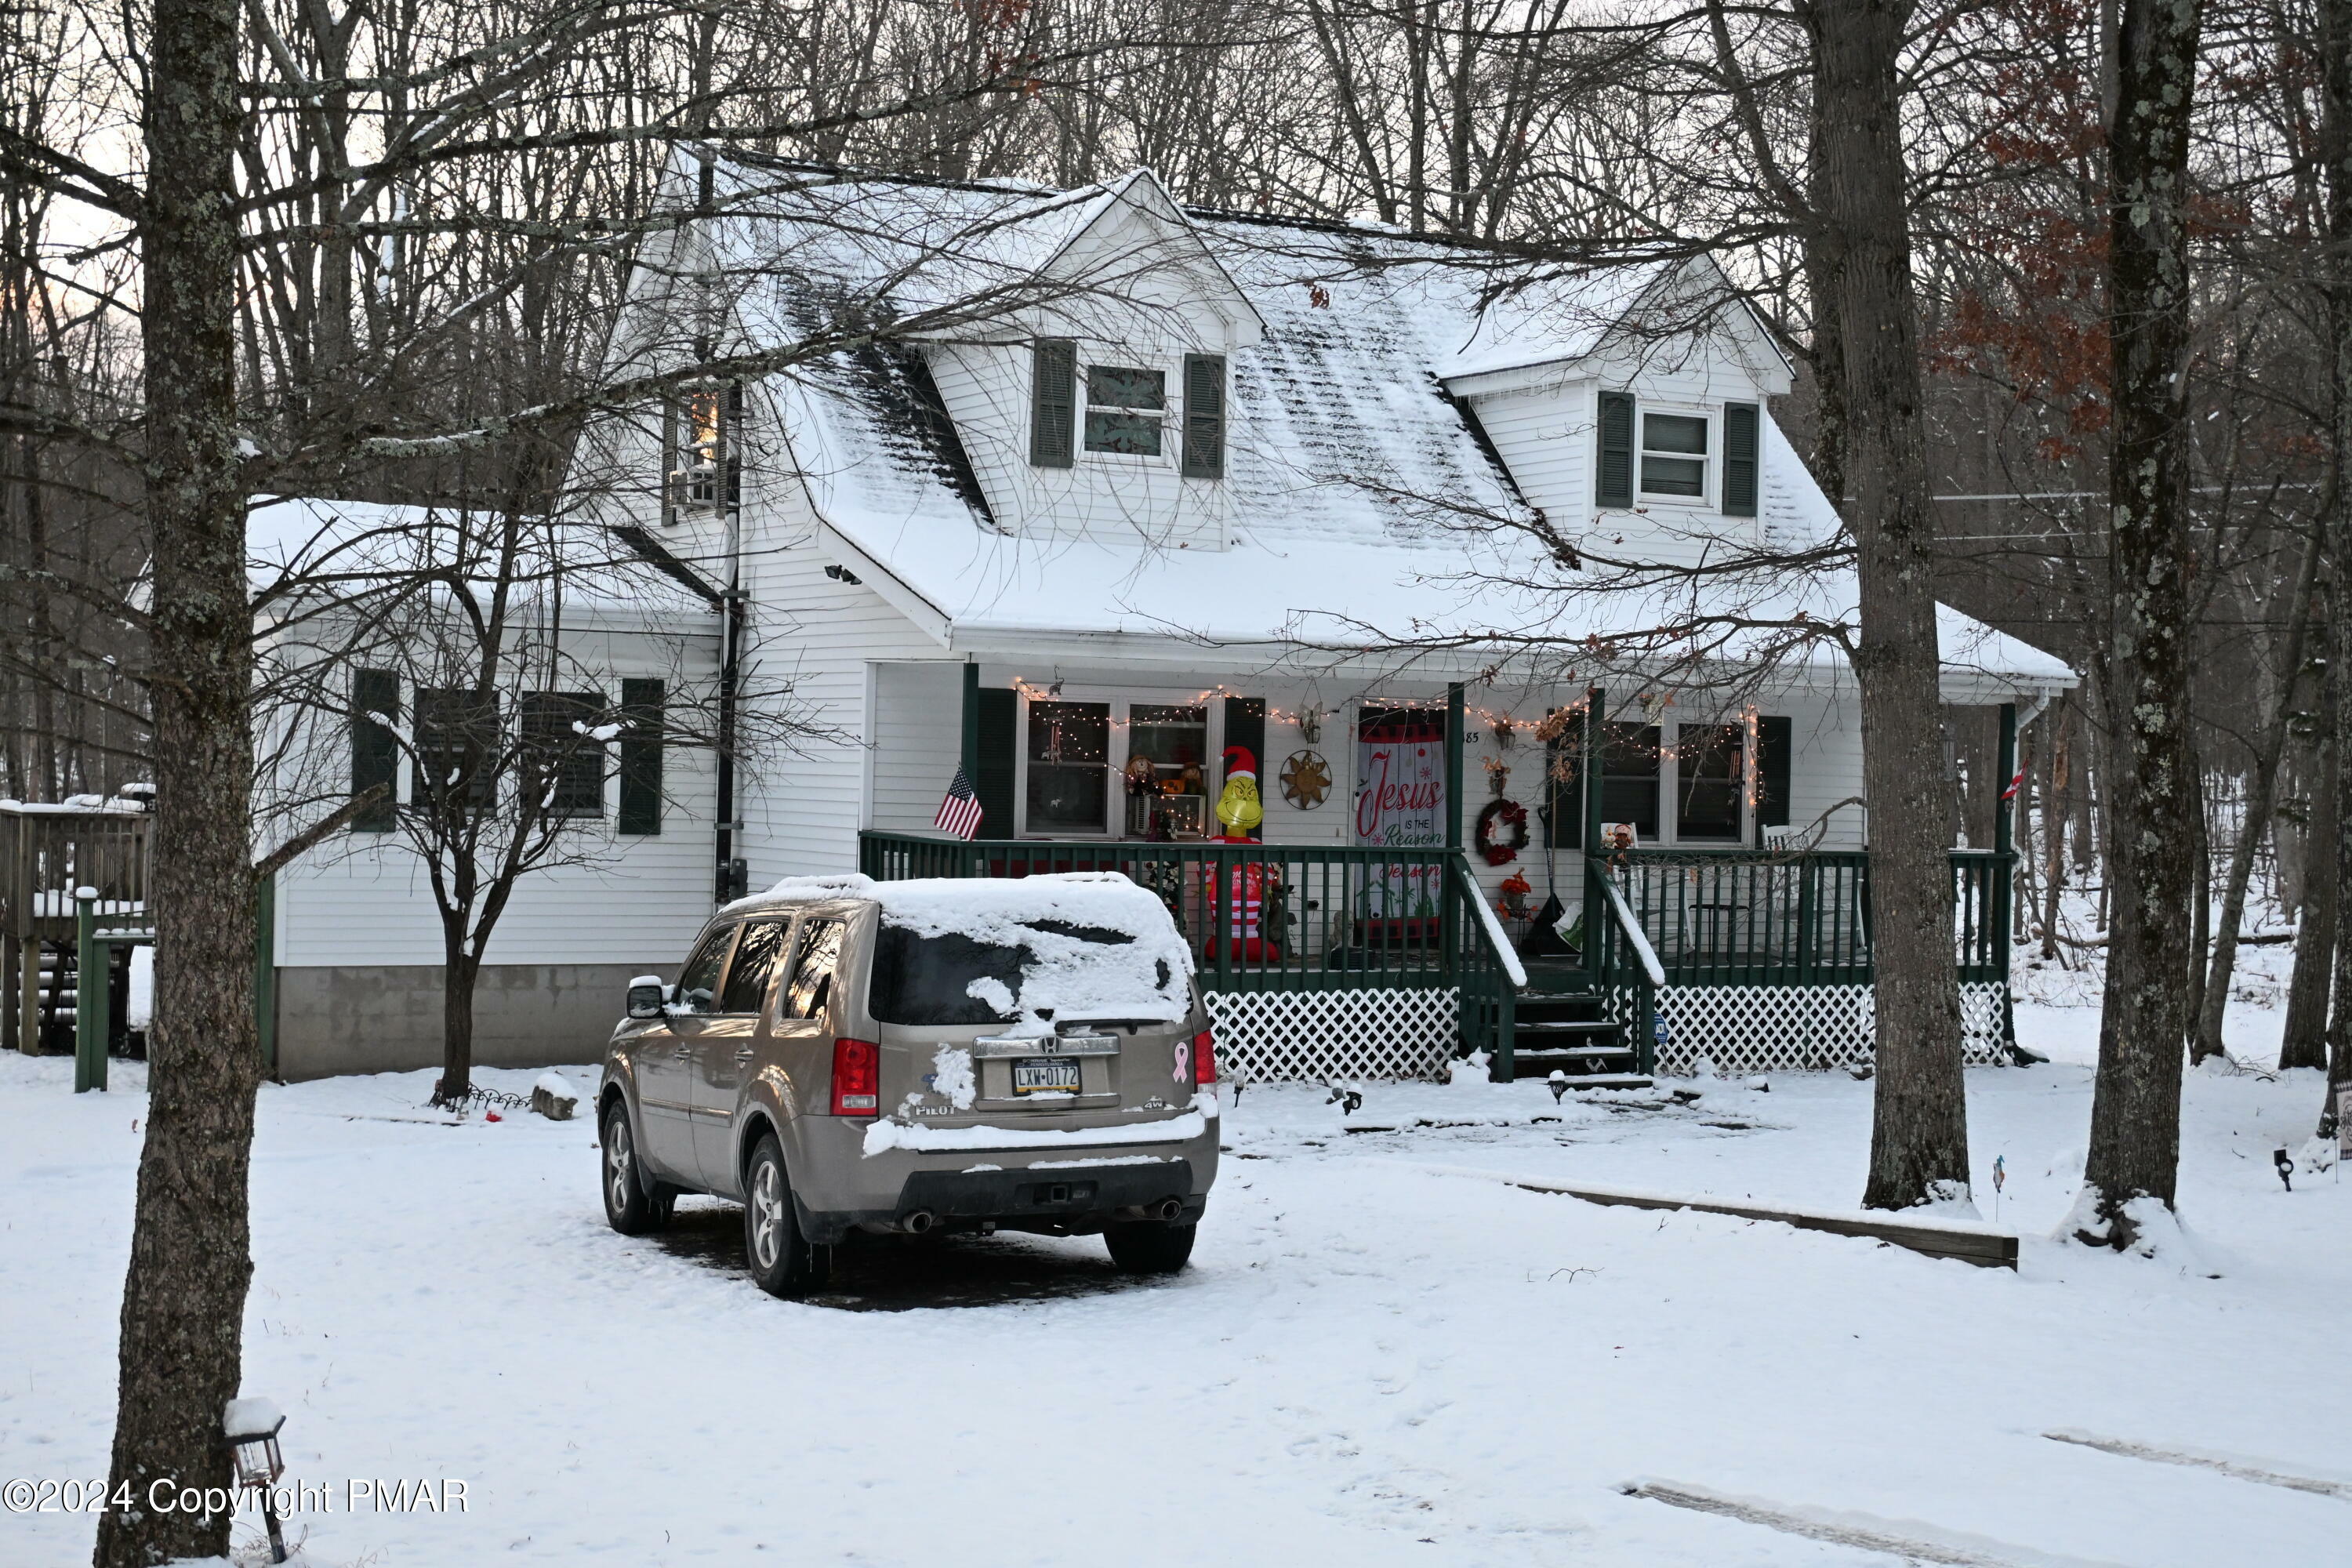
[[1274, 917], [99, 925], [1757, 916]]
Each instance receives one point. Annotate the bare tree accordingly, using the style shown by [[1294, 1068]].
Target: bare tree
[[2134, 1148], [1919, 1133]]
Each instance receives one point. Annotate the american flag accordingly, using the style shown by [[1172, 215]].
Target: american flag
[[959, 812]]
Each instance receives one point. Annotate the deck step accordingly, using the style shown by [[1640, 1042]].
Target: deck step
[[1573, 1053], [1609, 1080], [1568, 1026]]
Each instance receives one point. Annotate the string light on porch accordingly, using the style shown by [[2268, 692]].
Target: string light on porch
[[1556, 724]]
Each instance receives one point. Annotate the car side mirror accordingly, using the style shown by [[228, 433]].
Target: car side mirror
[[646, 994]]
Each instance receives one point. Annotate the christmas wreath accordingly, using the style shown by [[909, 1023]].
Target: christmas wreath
[[1501, 831]]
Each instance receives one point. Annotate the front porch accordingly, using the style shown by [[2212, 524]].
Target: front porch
[[1322, 962]]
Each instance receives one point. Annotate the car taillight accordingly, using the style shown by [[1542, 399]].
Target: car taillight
[[1204, 1057], [856, 1078]]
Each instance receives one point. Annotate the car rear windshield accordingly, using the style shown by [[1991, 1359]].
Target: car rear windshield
[[951, 978]]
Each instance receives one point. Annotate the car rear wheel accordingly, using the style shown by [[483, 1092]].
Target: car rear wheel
[[782, 1260], [1150, 1248], [634, 1203]]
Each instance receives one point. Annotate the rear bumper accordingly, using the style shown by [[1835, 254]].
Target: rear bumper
[[1070, 1190]]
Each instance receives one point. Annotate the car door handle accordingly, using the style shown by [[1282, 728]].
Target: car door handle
[[744, 1055]]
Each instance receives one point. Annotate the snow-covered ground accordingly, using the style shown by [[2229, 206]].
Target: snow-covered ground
[[1382, 1354]]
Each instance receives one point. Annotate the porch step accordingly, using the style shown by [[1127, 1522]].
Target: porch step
[[1610, 1080], [1567, 1026]]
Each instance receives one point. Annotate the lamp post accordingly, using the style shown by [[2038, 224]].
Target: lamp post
[[250, 1426]]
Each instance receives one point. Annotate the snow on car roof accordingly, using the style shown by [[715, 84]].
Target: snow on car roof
[[1101, 946]]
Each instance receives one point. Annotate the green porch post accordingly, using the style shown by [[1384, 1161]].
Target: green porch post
[[265, 971], [89, 1022], [2004, 872], [1449, 915], [1454, 764], [1595, 703], [970, 755]]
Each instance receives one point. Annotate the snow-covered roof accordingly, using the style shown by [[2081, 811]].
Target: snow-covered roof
[[301, 547], [1362, 496]]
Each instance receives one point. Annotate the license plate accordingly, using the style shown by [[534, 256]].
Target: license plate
[[1046, 1075]]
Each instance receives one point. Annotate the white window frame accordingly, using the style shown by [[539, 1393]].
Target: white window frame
[[1172, 394], [1709, 464]]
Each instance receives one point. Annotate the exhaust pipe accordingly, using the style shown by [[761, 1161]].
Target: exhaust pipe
[[1167, 1208], [919, 1223]]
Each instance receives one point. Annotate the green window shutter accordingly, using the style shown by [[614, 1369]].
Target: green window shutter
[[1613, 476], [1053, 403], [1774, 737], [1741, 434], [997, 730], [641, 755], [1204, 417], [375, 750]]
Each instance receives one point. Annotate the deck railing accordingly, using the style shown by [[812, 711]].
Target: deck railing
[[1262, 917], [1751, 917], [47, 852]]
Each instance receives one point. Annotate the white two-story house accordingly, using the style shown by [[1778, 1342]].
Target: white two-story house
[[1100, 500]]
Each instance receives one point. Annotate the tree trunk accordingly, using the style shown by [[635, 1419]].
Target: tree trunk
[[2262, 792], [2054, 814], [2201, 894], [1919, 1133], [459, 972], [2304, 1042], [2336, 72], [184, 1296], [2151, 837], [1824, 265], [2023, 884]]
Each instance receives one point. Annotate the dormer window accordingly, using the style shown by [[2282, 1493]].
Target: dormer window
[[1674, 456], [1124, 409], [701, 431], [701, 455], [1647, 454]]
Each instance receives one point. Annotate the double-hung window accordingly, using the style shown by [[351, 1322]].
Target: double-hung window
[[1069, 768], [1125, 408], [1710, 782], [563, 754], [1674, 456], [1647, 455]]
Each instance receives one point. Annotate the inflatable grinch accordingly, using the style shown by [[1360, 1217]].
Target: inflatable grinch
[[1237, 808], [1251, 882]]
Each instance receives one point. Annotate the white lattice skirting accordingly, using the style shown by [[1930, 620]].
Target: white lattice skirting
[[1796, 1028], [1313, 1037]]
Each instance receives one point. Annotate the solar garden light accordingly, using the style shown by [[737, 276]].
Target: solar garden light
[[251, 1426], [1557, 1084]]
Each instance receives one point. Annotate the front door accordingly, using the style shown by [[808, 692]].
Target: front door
[[724, 1047], [663, 1060]]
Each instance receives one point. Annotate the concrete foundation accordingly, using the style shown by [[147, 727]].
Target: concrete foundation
[[361, 1018]]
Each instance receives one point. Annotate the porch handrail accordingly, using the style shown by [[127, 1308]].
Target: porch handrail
[[1632, 928], [1486, 972]]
